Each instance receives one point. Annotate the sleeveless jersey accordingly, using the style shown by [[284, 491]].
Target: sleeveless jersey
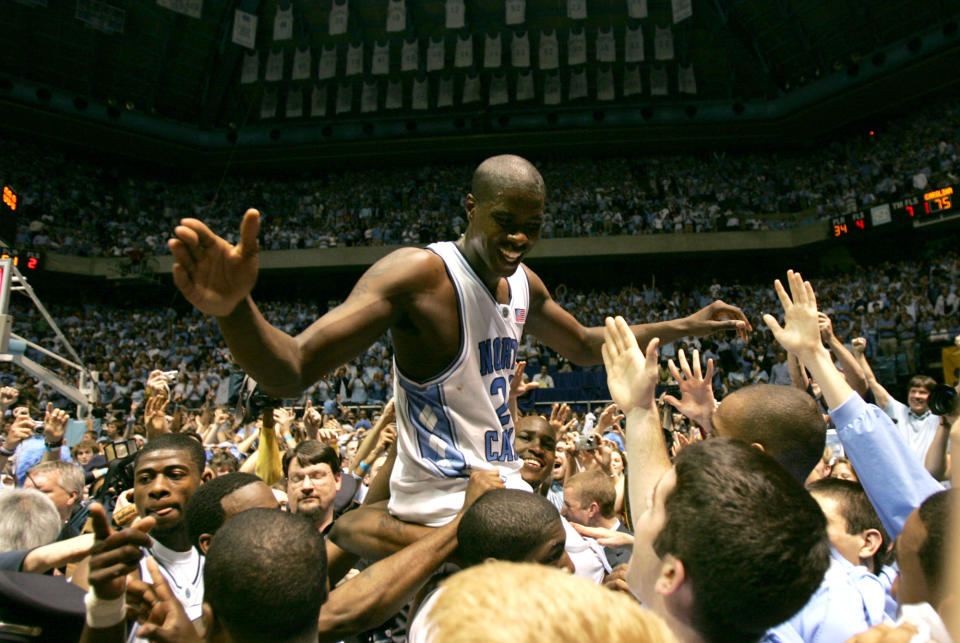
[[459, 420], [183, 571]]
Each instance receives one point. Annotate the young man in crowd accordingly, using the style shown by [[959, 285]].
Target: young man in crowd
[[588, 499], [456, 312]]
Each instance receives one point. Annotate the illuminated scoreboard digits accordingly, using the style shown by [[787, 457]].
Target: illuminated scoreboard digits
[[28, 260], [854, 223], [938, 200], [10, 198]]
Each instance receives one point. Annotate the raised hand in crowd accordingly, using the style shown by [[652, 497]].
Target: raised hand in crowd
[[213, 274], [852, 370], [696, 390], [718, 316], [8, 395], [561, 418], [609, 420], [519, 388], [312, 420], [155, 416]]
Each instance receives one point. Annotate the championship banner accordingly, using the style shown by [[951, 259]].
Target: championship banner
[[520, 49], [498, 89], [471, 89], [274, 66], [445, 93], [637, 9], [516, 12], [632, 85], [633, 45], [464, 51], [394, 94], [419, 94], [455, 14], [396, 16], [686, 80], [551, 88], [268, 103], [577, 47], [192, 8], [435, 54], [294, 102], [658, 81], [328, 63], [525, 85], [344, 97], [354, 60], [578, 84], [409, 55], [244, 29], [606, 46], [318, 101], [368, 97], [283, 24], [492, 50], [381, 59], [605, 89], [549, 50], [339, 13], [682, 9], [662, 43], [301, 64], [250, 69], [577, 9]]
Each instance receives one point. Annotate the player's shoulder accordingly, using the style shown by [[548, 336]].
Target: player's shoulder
[[416, 267]]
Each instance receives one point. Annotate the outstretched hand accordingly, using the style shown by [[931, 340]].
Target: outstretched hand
[[696, 390], [631, 375], [213, 274], [800, 334], [115, 554], [719, 316]]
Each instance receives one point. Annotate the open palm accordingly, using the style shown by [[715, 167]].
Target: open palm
[[631, 375]]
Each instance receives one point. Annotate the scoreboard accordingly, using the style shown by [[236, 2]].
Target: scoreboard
[[931, 207]]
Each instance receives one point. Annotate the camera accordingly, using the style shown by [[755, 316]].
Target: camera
[[943, 400], [38, 427], [253, 400], [588, 442], [120, 449]]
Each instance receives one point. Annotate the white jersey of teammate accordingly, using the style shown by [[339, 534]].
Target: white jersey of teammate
[[183, 571], [459, 421]]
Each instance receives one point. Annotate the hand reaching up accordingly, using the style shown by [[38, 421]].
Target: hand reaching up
[[631, 375]]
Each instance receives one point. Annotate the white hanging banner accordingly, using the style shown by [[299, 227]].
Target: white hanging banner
[[456, 13], [525, 85], [294, 102], [637, 8], [192, 8], [381, 59], [632, 85], [471, 89], [633, 45], [396, 15], [354, 59], [394, 94], [435, 54], [551, 88], [577, 9], [338, 18], [606, 46], [283, 24], [301, 64], [409, 55], [686, 80], [516, 12], [328, 63], [549, 50], [464, 53], [244, 29], [498, 89], [318, 101], [605, 89], [662, 43], [520, 49], [268, 103], [419, 95], [577, 47], [682, 9], [251, 68], [344, 97], [368, 97], [445, 93], [578, 84], [658, 81], [274, 66], [492, 50]]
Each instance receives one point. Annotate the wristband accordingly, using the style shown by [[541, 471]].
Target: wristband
[[288, 439], [103, 613], [55, 445], [5, 451], [363, 467]]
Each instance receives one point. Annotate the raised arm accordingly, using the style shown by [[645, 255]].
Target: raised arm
[[938, 460], [852, 370], [559, 330], [217, 278], [880, 394]]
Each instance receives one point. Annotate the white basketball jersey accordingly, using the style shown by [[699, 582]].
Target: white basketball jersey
[[459, 420]]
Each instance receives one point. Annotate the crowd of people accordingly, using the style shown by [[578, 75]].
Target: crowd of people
[[71, 206], [196, 504]]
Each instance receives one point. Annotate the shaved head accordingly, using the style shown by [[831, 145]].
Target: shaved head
[[499, 173]]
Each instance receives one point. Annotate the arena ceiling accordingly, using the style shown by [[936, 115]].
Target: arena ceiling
[[142, 59]]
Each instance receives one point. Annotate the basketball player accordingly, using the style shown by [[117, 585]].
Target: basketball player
[[456, 312]]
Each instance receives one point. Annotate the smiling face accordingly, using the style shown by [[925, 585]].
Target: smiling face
[[503, 229], [535, 444], [162, 484], [917, 399]]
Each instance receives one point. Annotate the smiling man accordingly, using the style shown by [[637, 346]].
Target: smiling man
[[456, 312]]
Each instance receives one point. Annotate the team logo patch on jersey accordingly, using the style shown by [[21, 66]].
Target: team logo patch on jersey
[[520, 314]]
